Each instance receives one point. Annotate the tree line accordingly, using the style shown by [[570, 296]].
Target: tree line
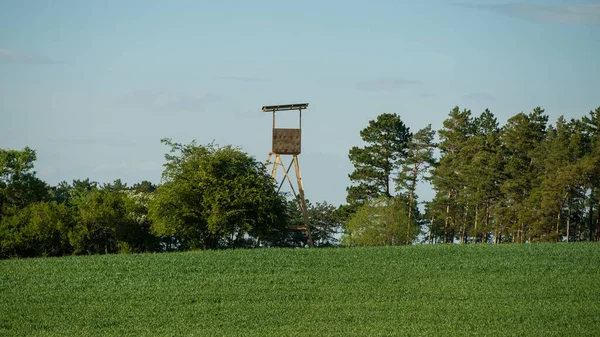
[[210, 197], [525, 181]]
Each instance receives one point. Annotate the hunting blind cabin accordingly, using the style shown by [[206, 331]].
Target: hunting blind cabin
[[289, 142]]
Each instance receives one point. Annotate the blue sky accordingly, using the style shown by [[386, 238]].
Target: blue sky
[[94, 85]]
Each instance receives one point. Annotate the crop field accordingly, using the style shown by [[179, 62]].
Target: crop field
[[512, 290]]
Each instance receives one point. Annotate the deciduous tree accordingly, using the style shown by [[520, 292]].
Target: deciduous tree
[[211, 196], [39, 229], [379, 222], [19, 185]]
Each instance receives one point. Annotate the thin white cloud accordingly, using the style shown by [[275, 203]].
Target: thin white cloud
[[13, 56], [479, 96], [385, 84], [165, 101], [587, 14], [244, 79]]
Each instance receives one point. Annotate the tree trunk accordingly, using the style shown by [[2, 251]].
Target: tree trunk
[[597, 229], [487, 221], [411, 197], [257, 243], [447, 219], [455, 224], [569, 217], [446, 223], [522, 232], [558, 226], [476, 236], [240, 236], [430, 230], [591, 218], [387, 184], [413, 186], [463, 232]]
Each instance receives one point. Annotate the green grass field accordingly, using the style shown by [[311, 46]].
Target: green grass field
[[512, 290]]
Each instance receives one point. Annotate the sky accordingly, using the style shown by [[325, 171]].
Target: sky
[[94, 85]]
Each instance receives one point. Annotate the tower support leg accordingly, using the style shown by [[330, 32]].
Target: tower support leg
[[275, 165], [302, 201], [268, 161], [300, 196]]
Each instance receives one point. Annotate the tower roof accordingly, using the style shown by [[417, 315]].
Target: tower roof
[[273, 108]]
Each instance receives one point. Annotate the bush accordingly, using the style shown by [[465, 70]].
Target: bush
[[40, 229]]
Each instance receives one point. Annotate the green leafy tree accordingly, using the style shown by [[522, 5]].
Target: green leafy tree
[[39, 229], [65, 193], [293, 235], [109, 221], [80, 188], [19, 186], [214, 196], [433, 216], [136, 233], [116, 186], [325, 224], [379, 222], [377, 162], [100, 217], [144, 186], [61, 192]]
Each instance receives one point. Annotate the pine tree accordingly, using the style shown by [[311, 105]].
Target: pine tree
[[418, 162], [483, 165], [374, 164], [449, 176], [520, 137], [591, 164]]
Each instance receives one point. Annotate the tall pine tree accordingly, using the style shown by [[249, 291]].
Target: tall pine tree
[[376, 163]]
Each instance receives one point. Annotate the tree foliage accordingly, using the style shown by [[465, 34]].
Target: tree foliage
[[380, 222], [525, 181], [419, 160], [375, 164], [213, 196], [107, 222], [19, 186], [39, 229]]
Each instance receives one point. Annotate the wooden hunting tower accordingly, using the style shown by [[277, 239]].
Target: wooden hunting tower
[[289, 142]]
